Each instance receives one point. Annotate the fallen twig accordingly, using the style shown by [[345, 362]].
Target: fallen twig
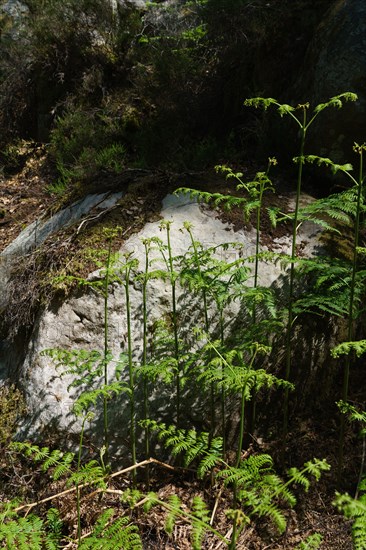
[[115, 474]]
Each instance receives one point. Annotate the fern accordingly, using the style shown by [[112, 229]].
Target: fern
[[198, 517], [312, 542], [60, 461], [355, 509], [91, 473], [54, 526], [201, 512], [260, 491], [90, 397], [109, 534], [345, 348], [192, 445], [174, 512], [24, 533]]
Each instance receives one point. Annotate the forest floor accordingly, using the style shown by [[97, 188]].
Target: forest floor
[[23, 198]]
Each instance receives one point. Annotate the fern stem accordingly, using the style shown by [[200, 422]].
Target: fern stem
[[105, 350], [144, 359], [78, 508], [175, 324], [351, 314], [223, 392], [241, 428], [234, 536], [292, 278], [130, 371], [207, 326]]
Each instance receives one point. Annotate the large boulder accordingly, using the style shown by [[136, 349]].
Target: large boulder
[[78, 322]]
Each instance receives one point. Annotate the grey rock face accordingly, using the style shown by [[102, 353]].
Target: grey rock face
[[336, 63], [36, 233], [77, 323]]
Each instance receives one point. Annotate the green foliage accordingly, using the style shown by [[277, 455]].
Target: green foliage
[[312, 542], [109, 534], [201, 512], [85, 143], [345, 348], [30, 531], [12, 408], [25, 533], [195, 447], [54, 526], [260, 491], [355, 509], [59, 461], [354, 415]]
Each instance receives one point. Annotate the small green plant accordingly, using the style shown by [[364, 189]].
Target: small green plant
[[169, 261], [109, 534], [303, 122], [126, 271], [353, 203], [355, 509]]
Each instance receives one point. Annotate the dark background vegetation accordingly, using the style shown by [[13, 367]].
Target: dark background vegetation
[[160, 87]]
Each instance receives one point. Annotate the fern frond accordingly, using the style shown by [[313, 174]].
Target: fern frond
[[173, 513], [354, 509], [312, 542], [91, 473], [345, 348], [201, 512], [23, 533], [110, 535], [336, 101], [193, 445], [354, 415], [54, 527]]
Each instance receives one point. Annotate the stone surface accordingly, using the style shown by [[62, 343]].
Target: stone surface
[[336, 63], [37, 232], [77, 323]]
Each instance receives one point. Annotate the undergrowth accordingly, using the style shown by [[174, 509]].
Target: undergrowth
[[201, 357]]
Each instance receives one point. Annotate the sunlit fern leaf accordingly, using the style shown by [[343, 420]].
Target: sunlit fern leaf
[[354, 509], [109, 534], [23, 533], [345, 348], [312, 542], [91, 473], [201, 512], [173, 513], [336, 101]]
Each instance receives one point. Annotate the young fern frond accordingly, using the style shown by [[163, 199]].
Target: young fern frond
[[345, 348], [218, 200], [85, 365], [355, 415], [90, 398], [249, 471], [91, 473]]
